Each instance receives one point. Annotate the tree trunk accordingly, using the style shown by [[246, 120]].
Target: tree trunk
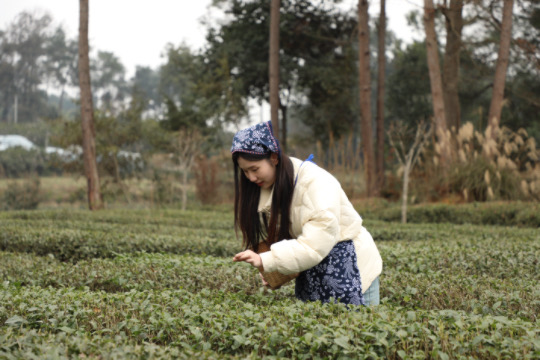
[[61, 101], [435, 81], [405, 192], [501, 68], [454, 26], [184, 189], [87, 113], [364, 78], [16, 109], [381, 68], [283, 142], [273, 66]]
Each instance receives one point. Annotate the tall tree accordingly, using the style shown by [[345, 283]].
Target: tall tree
[[316, 62], [454, 25], [87, 112], [435, 80], [381, 69], [145, 84], [179, 84], [108, 81], [22, 67], [364, 81], [501, 68], [273, 70], [61, 63], [409, 93]]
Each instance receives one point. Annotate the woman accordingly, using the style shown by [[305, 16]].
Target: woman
[[317, 232]]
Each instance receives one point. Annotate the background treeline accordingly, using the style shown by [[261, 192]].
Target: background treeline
[[174, 123]]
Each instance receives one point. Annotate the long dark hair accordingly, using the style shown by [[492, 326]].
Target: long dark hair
[[246, 202]]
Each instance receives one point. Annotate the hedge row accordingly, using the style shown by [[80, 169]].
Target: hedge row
[[140, 284], [222, 218], [74, 245], [522, 214], [134, 272], [253, 326], [23, 343], [77, 240], [506, 214], [484, 276]]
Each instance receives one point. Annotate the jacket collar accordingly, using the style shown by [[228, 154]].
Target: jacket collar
[[265, 200]]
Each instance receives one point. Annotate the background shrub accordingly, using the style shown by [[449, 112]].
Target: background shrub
[[18, 162], [206, 180], [21, 195], [524, 214]]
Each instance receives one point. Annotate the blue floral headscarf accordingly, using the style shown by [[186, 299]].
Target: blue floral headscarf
[[258, 139]]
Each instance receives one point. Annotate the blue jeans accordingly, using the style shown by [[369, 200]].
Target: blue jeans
[[371, 296]]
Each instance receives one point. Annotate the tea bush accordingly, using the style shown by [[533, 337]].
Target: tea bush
[[263, 325], [506, 214], [162, 284]]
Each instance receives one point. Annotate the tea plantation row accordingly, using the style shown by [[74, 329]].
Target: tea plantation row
[[263, 324], [522, 214], [140, 284]]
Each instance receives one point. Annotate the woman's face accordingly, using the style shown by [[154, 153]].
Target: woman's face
[[261, 172]]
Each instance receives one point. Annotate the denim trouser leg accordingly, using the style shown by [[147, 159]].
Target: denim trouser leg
[[371, 296]]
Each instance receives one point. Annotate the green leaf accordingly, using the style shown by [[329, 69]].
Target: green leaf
[[443, 356], [16, 321], [477, 340], [343, 341], [67, 329], [401, 333], [240, 339]]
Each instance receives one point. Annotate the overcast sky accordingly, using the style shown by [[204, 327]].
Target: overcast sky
[[137, 31]]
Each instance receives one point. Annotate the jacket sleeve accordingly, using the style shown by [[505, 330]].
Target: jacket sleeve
[[320, 211]]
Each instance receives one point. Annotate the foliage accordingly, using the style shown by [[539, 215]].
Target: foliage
[[447, 291], [179, 79], [115, 137], [23, 46], [480, 168], [108, 83], [18, 162], [317, 60], [26, 343], [36, 53], [40, 132], [146, 86], [72, 242], [206, 180], [164, 189], [409, 96], [408, 83], [522, 214], [471, 180], [21, 195]]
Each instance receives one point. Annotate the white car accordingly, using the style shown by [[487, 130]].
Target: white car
[[9, 141]]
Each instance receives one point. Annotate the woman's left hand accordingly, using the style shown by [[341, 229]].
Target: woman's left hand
[[250, 257]]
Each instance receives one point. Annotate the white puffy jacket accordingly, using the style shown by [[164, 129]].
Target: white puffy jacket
[[321, 216]]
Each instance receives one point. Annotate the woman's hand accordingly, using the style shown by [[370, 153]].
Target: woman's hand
[[250, 257]]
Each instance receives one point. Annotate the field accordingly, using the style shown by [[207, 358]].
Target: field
[[161, 284]]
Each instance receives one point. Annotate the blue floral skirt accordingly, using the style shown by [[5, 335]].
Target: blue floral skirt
[[337, 277]]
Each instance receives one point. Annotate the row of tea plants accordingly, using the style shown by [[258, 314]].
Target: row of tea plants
[[161, 284]]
